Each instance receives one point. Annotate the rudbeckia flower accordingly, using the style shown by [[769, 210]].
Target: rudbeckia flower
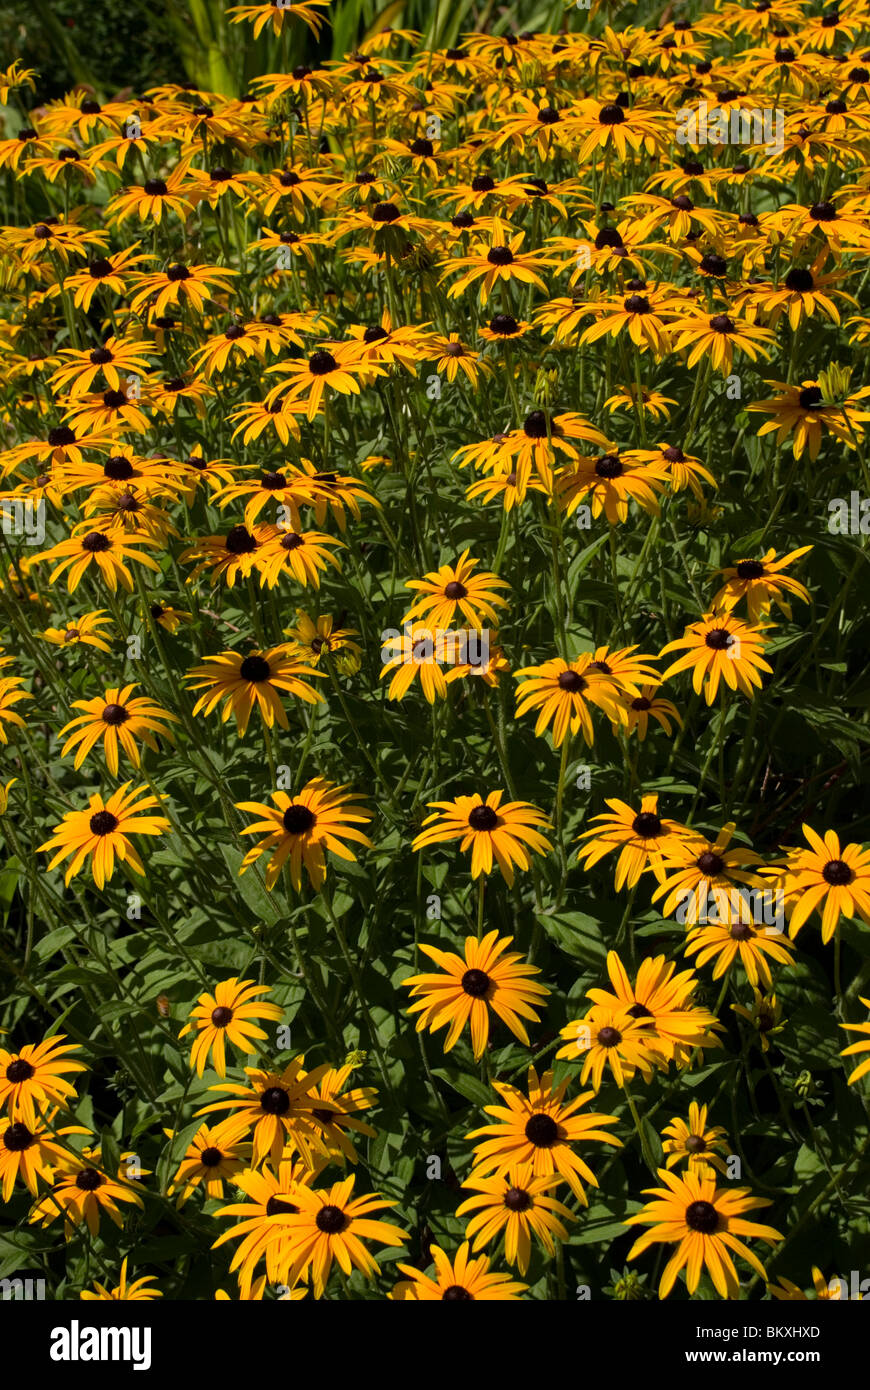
[[498, 833], [707, 1222], [663, 1001], [562, 693], [228, 1015], [214, 1156], [761, 583], [262, 1230], [541, 1130], [695, 1142], [331, 1224], [828, 878], [31, 1152], [641, 837], [738, 939], [34, 1075], [720, 648], [84, 630], [107, 552], [82, 1191], [276, 1109], [243, 683], [453, 592], [119, 717], [462, 1278], [103, 832], [299, 828], [516, 1206], [486, 979]]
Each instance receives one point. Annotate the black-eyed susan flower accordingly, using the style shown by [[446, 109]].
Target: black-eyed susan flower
[[828, 878], [459, 1279], [739, 939], [541, 1130], [299, 828], [661, 999], [697, 869], [707, 1222], [300, 555], [245, 683], [804, 412], [718, 336], [502, 260], [86, 630], [761, 582], [34, 1077], [455, 592], [275, 1109], [127, 1291], [467, 989], [261, 1229], [642, 838], [416, 653], [764, 1016], [228, 1015], [694, 1142], [331, 1225], [612, 1038], [215, 1155], [337, 1111], [646, 705], [720, 648], [318, 638], [83, 1190], [563, 693], [515, 1206], [495, 833], [31, 1152], [103, 832], [118, 719], [106, 552]]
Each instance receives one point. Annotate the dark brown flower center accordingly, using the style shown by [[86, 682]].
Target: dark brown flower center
[[255, 669], [609, 466], [88, 1180], [541, 1130], [571, 681], [239, 541], [475, 983], [103, 823], [695, 1144], [710, 863], [331, 1220], [719, 639], [275, 1101], [837, 873], [455, 590], [321, 363], [221, 1016], [454, 1292], [517, 1199], [115, 714], [703, 1217], [19, 1070], [298, 819], [17, 1138], [482, 818], [647, 825], [609, 1037], [210, 1158], [500, 255]]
